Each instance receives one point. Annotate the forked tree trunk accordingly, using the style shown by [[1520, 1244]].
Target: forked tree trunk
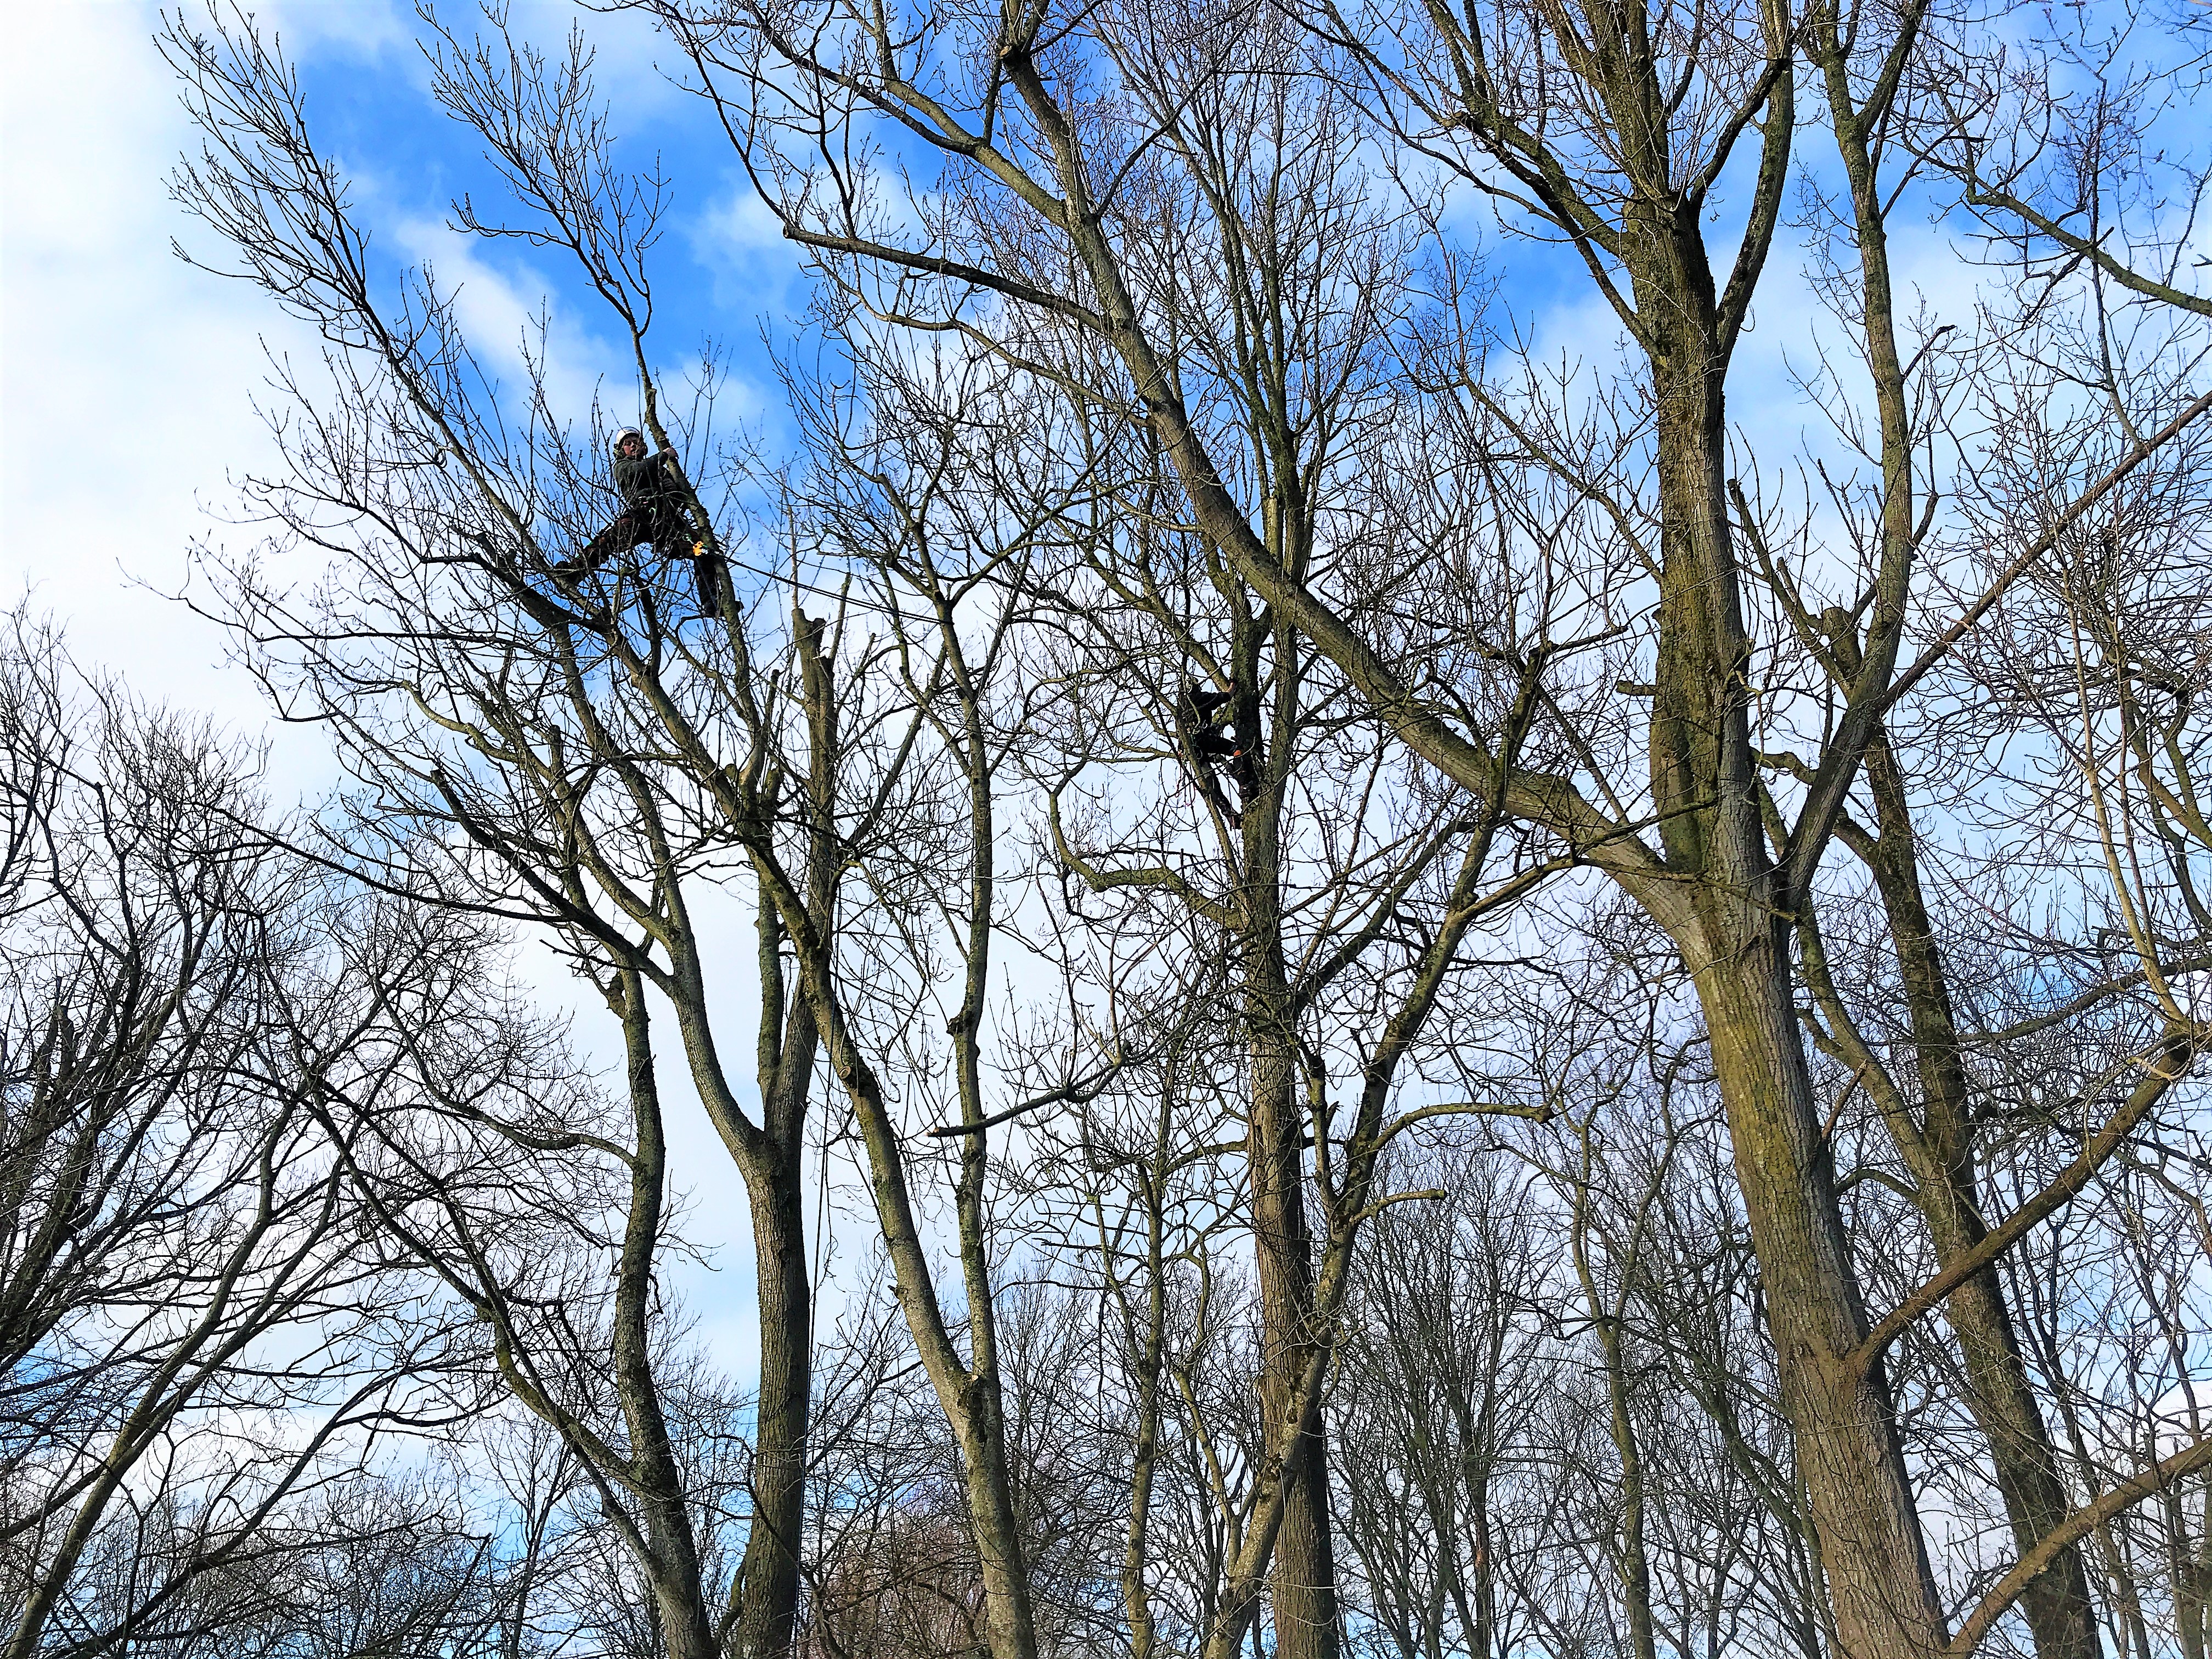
[[1706, 787], [789, 1048], [969, 1392]]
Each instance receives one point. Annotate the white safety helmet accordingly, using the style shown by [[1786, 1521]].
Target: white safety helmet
[[615, 447]]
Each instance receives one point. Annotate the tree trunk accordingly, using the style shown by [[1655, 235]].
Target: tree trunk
[[1151, 1362], [768, 1578], [1941, 1157], [1879, 1582], [1635, 1559], [1705, 788], [672, 1553], [1302, 1586]]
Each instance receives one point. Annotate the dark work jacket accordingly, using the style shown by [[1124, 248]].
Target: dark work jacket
[[650, 482]]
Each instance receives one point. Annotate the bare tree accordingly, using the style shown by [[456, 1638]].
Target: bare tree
[[1614, 133], [200, 1343], [537, 736], [1203, 630]]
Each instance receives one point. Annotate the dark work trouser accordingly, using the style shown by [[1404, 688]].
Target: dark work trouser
[[666, 526], [673, 535]]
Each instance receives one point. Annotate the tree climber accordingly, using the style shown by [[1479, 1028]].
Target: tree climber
[[1217, 738], [657, 499]]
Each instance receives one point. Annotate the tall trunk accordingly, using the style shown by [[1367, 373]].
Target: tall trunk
[[789, 1046], [1941, 1155], [1302, 1585], [1705, 788], [2182, 1574], [970, 1402], [1009, 1621], [1480, 1642], [672, 1553], [2200, 1572], [764, 1594], [967, 1388], [1008, 1612], [769, 1577], [1879, 1583], [1718, 895]]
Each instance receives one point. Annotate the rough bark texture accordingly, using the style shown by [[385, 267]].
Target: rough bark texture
[[670, 1558], [1879, 1578], [769, 1576], [1705, 787], [1302, 1584], [1941, 1155]]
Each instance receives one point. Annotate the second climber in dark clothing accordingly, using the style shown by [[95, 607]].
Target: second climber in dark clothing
[[1216, 739], [656, 509]]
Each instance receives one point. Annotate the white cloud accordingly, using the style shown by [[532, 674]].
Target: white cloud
[[498, 312], [741, 242], [359, 27], [126, 379]]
